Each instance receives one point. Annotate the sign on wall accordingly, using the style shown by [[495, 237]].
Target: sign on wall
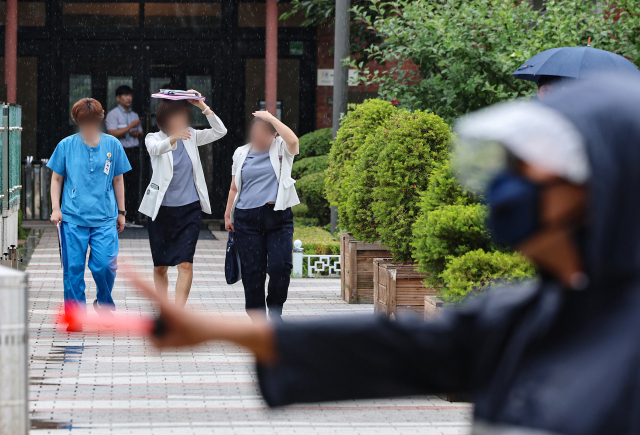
[[325, 77]]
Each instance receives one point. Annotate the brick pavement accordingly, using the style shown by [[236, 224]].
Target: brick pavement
[[105, 384]]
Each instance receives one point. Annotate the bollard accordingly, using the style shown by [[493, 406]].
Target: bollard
[[297, 259], [14, 392]]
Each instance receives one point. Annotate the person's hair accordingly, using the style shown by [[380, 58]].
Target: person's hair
[[168, 108], [87, 109], [549, 80], [124, 90], [255, 120]]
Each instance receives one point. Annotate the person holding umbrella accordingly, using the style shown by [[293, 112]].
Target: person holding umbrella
[[554, 356]]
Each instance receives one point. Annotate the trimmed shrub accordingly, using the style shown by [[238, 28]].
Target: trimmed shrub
[[444, 189], [474, 271], [450, 231], [310, 165], [316, 143], [300, 210], [316, 240], [358, 208], [413, 143], [311, 191], [354, 129]]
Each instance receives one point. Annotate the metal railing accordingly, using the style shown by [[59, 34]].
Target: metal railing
[[317, 265], [36, 179]]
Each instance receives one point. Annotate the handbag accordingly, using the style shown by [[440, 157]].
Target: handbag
[[232, 269]]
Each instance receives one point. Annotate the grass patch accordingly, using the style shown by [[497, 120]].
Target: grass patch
[[317, 240]]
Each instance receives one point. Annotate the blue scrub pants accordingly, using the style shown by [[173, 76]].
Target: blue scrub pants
[[102, 262]]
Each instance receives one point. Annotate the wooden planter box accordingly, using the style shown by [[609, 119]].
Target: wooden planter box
[[433, 307], [398, 287], [356, 260]]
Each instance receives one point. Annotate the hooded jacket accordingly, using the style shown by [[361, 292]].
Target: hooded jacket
[[534, 356]]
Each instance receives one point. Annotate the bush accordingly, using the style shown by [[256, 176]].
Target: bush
[[311, 191], [450, 231], [310, 165], [476, 270], [355, 127], [316, 143], [444, 189], [413, 142], [358, 207], [316, 240]]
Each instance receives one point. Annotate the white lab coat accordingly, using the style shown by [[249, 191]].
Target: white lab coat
[[160, 151]]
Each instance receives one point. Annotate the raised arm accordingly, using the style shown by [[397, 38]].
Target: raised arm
[[157, 146], [217, 130], [289, 137]]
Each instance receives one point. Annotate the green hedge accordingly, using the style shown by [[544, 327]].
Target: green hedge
[[358, 208], [450, 231], [310, 189], [310, 165], [413, 143], [444, 189], [476, 270], [316, 240], [354, 129], [316, 143]]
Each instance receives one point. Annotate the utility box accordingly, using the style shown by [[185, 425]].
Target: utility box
[[14, 344]]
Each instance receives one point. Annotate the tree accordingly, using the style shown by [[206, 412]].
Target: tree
[[466, 51]]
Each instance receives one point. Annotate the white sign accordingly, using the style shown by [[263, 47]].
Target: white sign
[[325, 77]]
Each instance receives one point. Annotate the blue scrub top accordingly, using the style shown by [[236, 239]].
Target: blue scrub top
[[88, 198]]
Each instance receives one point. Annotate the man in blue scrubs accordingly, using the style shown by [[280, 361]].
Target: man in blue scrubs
[[90, 164]]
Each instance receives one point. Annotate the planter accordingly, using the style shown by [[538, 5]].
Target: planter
[[398, 287], [433, 307], [356, 262]]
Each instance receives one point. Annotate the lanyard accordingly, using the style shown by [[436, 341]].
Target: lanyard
[[127, 118]]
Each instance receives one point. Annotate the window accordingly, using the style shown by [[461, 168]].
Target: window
[[29, 14], [189, 15], [255, 15], [201, 84], [101, 15], [112, 84], [79, 88]]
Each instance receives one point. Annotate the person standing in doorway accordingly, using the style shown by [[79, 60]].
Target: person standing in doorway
[[177, 195], [91, 165], [259, 213], [124, 123]]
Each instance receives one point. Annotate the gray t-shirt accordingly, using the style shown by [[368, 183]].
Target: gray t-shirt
[[259, 181], [182, 189], [118, 118]]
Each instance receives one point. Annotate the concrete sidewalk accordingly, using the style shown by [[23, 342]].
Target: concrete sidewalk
[[105, 384]]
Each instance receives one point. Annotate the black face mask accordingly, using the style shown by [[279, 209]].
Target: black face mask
[[514, 204]]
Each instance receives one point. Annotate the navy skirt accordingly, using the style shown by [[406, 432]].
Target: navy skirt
[[174, 234]]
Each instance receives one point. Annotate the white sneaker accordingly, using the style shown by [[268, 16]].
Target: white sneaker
[[132, 225]]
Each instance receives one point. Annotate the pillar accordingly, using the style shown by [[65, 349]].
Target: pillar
[[271, 58], [11, 49]]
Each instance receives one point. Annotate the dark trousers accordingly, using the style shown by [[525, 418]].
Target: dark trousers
[[132, 183], [264, 238]]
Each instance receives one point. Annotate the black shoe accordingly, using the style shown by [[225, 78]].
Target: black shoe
[[102, 312], [275, 317]]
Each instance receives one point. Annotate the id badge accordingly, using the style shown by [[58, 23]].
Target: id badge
[[107, 166]]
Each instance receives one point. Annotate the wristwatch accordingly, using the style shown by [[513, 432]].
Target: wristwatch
[[122, 212]]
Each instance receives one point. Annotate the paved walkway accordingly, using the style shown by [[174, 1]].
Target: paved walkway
[[106, 384]]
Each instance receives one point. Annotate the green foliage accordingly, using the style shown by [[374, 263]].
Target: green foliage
[[23, 233], [354, 129], [300, 210], [310, 189], [414, 142], [447, 232], [310, 165], [318, 12], [316, 143], [444, 189], [465, 51], [475, 270], [361, 181], [316, 240]]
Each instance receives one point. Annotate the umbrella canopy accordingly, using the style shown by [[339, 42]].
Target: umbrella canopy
[[574, 62]]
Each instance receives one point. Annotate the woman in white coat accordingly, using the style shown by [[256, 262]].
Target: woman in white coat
[[177, 195], [259, 212]]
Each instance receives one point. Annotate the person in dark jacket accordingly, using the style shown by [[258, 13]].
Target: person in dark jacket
[[559, 355]]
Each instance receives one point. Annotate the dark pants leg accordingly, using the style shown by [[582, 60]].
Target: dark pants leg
[[131, 183], [264, 238], [279, 234], [252, 249]]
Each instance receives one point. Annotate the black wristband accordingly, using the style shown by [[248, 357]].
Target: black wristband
[[122, 212]]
